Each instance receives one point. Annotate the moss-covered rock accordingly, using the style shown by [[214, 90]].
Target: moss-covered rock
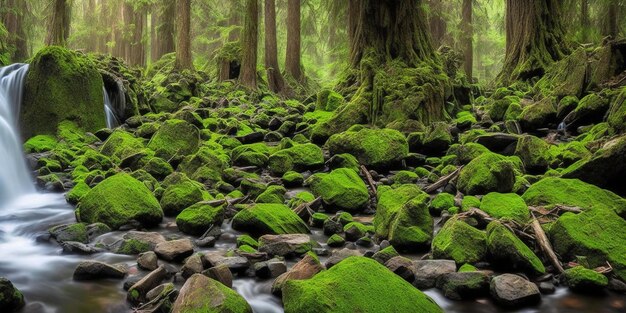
[[508, 251], [181, 195], [198, 218], [11, 299], [273, 194], [441, 202], [79, 190], [539, 114], [40, 143], [61, 85], [175, 138], [292, 179], [70, 232], [356, 284], [299, 157], [460, 242], [335, 241], [507, 206], [341, 189], [467, 152], [584, 280], [488, 172], [535, 153], [203, 294], [377, 148], [597, 234], [206, 165], [121, 145], [119, 200], [329, 100], [617, 113], [261, 219], [402, 217]]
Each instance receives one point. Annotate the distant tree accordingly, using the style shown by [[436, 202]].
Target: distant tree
[[249, 45], [183, 46], [467, 35], [12, 16], [438, 26], [275, 79], [163, 23], [59, 23], [293, 65]]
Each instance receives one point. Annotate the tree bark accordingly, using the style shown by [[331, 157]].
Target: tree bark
[[183, 46], [137, 51], [164, 29], [612, 26], [293, 66], [466, 40], [59, 23], [13, 20], [249, 43], [275, 79], [234, 35], [534, 39], [584, 20], [438, 27]]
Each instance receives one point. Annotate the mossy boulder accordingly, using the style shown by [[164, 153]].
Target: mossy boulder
[[508, 251], [203, 294], [507, 206], [40, 143], [181, 195], [582, 279], [341, 189], [299, 157], [596, 234], [553, 191], [441, 202], [121, 145], [329, 100], [292, 179], [402, 217], [273, 194], [539, 114], [488, 172], [356, 284], [119, 200], [205, 165], [11, 299], [377, 148], [198, 218], [535, 153], [175, 138], [617, 113], [460, 242], [61, 85], [265, 218]]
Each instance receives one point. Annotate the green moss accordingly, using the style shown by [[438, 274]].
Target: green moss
[[299, 157], [175, 138], [201, 294], [507, 206], [158, 167], [342, 189], [467, 268], [467, 152], [372, 147], [61, 85], [273, 194], [198, 218], [584, 280], [261, 219], [344, 218], [72, 232], [335, 241], [248, 241], [356, 284], [133, 247], [79, 190], [11, 299], [405, 177], [440, 202], [402, 216], [510, 252], [488, 172], [117, 201], [535, 153], [292, 179], [460, 242], [121, 144], [617, 113], [40, 143], [465, 119], [181, 195]]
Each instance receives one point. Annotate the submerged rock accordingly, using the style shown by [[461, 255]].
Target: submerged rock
[[119, 200], [356, 284], [203, 294], [93, 270], [11, 299]]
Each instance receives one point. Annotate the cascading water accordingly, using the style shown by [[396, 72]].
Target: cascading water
[[14, 177], [111, 119]]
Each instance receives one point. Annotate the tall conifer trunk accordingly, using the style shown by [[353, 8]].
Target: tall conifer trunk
[[275, 79], [59, 23], [249, 43], [183, 46], [466, 40], [293, 66]]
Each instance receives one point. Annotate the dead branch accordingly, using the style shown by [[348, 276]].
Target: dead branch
[[443, 181], [544, 244], [369, 180]]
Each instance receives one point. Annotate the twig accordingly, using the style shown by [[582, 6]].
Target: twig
[[308, 206], [443, 181], [369, 180], [544, 244]]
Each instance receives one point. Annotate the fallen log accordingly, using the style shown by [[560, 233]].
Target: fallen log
[[544, 244]]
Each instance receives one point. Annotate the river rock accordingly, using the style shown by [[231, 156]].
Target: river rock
[[93, 270], [70, 232], [585, 280], [148, 261], [460, 242], [174, 250], [304, 269], [193, 265], [73, 247], [339, 255], [11, 299], [137, 293], [201, 293], [135, 242], [342, 189], [464, 285], [375, 148], [428, 271], [402, 267], [285, 245], [270, 269], [234, 263], [514, 291], [266, 218], [220, 273], [357, 284]]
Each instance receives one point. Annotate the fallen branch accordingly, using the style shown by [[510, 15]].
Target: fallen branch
[[369, 180], [307, 208], [544, 244], [229, 202], [443, 181]]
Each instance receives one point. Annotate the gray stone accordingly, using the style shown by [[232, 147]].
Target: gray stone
[[193, 265], [270, 269], [148, 261], [514, 291], [428, 271], [285, 245], [220, 273], [464, 285], [174, 250], [93, 270], [137, 293]]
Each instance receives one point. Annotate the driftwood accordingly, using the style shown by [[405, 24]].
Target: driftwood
[[229, 202], [307, 209], [544, 244], [369, 180], [443, 181]]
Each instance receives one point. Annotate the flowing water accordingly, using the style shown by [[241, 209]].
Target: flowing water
[[111, 119], [37, 266]]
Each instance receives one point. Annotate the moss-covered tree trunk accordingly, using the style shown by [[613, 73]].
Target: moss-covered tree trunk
[[293, 66], [183, 39], [438, 27], [59, 23], [466, 38], [164, 16], [249, 43], [275, 80], [234, 21], [534, 39]]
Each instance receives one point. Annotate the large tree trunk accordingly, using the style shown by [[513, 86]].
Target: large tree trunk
[[137, 51], [164, 29], [293, 66], [249, 42], [275, 79], [534, 39], [13, 19], [438, 27], [611, 24], [466, 39], [183, 46], [584, 20], [59, 23], [234, 35]]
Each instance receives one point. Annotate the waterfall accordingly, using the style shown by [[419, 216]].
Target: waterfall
[[14, 177], [111, 119]]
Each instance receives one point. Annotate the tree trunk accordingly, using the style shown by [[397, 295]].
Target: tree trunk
[[165, 28], [59, 23], [137, 51], [584, 20], [534, 39], [612, 26], [467, 37], [274, 77], [183, 46], [249, 42], [13, 19], [438, 27], [293, 66]]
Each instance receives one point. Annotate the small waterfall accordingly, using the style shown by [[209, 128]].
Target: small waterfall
[[14, 177], [111, 119]]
